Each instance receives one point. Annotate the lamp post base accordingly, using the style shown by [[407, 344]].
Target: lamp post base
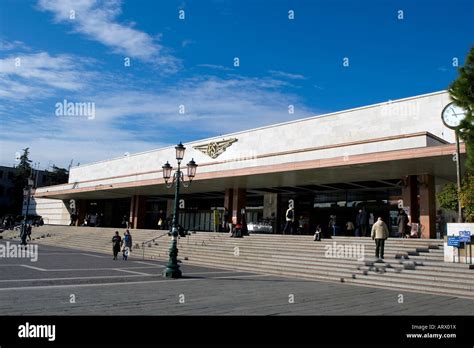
[[23, 235], [172, 268], [172, 271]]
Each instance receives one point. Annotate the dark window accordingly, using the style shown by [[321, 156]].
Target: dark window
[[1, 174]]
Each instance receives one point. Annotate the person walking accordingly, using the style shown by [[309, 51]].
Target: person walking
[[350, 228], [160, 223], [225, 220], [123, 248], [379, 233], [290, 220], [73, 217], [126, 244], [87, 220], [116, 242], [301, 223], [318, 233], [402, 222], [361, 222], [243, 222], [332, 224], [128, 240], [125, 222], [371, 221], [28, 231], [23, 233]]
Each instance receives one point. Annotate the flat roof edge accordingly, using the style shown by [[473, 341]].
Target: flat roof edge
[[270, 126]]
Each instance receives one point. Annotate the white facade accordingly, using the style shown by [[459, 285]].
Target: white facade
[[336, 134], [53, 211]]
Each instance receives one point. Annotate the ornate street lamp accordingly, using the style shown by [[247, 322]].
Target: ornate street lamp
[[172, 268], [26, 196]]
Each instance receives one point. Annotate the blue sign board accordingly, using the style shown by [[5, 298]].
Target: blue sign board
[[454, 241], [465, 236]]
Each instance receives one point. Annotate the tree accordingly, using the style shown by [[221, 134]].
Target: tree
[[448, 197], [24, 168], [57, 176], [20, 181], [462, 93], [467, 197]]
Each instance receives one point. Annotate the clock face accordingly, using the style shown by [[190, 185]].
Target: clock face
[[452, 115]]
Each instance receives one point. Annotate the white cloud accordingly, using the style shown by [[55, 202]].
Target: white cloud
[[212, 106], [38, 74], [187, 42], [59, 151], [286, 75], [13, 45], [97, 20], [137, 120], [214, 67]]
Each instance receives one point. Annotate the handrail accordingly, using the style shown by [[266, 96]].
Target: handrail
[[165, 234], [151, 240]]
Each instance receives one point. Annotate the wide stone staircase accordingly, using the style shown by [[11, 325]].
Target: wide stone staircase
[[409, 264]]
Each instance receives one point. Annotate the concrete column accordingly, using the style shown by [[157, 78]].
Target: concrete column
[[81, 206], [409, 196], [238, 203], [427, 206], [228, 200], [131, 215], [138, 211], [270, 209], [141, 212]]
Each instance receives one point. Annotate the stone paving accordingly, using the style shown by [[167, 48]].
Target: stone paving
[[64, 281]]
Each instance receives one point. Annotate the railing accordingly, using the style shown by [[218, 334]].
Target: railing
[[168, 233], [149, 241]]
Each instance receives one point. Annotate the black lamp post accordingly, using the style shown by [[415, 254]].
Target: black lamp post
[[26, 196], [172, 268]]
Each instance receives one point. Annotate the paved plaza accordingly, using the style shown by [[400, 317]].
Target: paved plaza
[[65, 281]]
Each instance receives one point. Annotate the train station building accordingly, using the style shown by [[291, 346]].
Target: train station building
[[380, 157]]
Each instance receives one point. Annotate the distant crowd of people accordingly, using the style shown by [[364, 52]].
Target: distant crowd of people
[[361, 227], [91, 220], [9, 222]]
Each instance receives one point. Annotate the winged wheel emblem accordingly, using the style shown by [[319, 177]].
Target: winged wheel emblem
[[215, 148]]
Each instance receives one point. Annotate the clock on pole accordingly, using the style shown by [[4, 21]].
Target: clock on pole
[[452, 116]]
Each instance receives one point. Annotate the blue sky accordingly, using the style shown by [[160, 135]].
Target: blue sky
[[190, 62]]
